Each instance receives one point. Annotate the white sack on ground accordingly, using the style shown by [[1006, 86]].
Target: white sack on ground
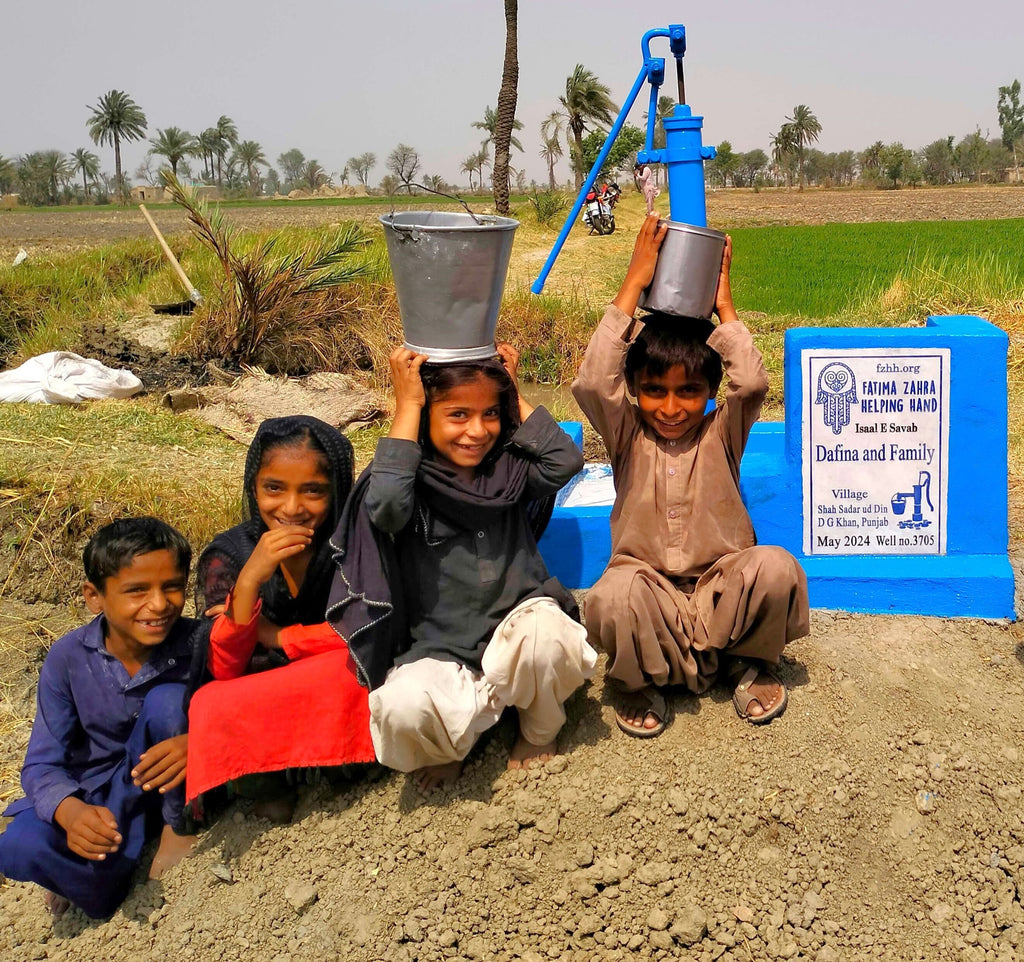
[[61, 377]]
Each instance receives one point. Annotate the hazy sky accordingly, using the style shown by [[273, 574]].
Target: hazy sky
[[339, 78]]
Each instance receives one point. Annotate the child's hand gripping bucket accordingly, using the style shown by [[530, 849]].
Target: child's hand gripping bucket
[[686, 279], [449, 272]]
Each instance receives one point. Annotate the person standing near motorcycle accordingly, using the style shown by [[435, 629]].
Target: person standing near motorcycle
[[645, 181]]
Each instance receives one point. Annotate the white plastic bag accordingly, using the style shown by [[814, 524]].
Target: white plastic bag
[[593, 486], [61, 377]]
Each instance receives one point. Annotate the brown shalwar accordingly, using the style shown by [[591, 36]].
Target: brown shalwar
[[687, 581]]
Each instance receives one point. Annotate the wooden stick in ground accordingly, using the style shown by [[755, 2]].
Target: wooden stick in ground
[[193, 294]]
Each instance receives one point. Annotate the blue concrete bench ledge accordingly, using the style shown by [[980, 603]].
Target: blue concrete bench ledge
[[972, 579]]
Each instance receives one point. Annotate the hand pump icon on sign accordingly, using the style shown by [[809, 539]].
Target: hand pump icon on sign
[[922, 491]]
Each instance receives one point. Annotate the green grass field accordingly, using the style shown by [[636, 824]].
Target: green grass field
[[836, 270]]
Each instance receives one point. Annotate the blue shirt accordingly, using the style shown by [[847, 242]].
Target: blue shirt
[[87, 704]]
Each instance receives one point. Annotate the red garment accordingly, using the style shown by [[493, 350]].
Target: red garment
[[306, 714]]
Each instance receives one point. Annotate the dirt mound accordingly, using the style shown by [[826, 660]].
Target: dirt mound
[[158, 370], [880, 818]]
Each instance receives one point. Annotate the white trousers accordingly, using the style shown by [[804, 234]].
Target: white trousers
[[431, 712]]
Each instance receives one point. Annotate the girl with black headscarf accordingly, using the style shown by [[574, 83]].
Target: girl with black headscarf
[[265, 584]]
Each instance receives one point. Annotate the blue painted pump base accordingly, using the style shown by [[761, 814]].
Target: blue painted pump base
[[972, 579]]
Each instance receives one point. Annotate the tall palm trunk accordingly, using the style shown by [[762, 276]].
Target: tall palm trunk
[[117, 167], [551, 173], [577, 135], [505, 115]]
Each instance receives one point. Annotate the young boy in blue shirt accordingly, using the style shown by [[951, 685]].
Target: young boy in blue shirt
[[105, 766]]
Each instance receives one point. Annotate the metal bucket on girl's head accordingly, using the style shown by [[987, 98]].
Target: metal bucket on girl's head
[[686, 278], [449, 272]]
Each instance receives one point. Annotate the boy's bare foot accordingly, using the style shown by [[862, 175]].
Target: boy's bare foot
[[171, 850], [524, 752], [434, 776], [55, 904], [641, 714], [278, 810]]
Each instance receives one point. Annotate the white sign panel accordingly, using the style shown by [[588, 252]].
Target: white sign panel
[[875, 451]]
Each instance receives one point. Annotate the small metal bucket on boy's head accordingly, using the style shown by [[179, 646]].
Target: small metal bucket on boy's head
[[686, 279], [449, 272]]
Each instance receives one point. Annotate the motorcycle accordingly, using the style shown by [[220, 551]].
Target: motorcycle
[[598, 210]]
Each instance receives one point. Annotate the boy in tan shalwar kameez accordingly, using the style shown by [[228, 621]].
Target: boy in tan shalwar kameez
[[688, 594]]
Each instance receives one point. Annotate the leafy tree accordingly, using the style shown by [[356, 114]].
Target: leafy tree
[[751, 164], [805, 129], [404, 163], [726, 163], [971, 155], [88, 163], [272, 181], [505, 121], [938, 163], [362, 165], [1011, 116], [893, 162], [389, 184], [116, 117], [249, 156], [172, 143], [620, 157], [292, 162], [586, 102]]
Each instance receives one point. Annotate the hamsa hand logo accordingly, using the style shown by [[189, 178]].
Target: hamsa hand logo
[[837, 391]]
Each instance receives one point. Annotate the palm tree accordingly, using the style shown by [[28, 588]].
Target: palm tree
[[249, 155], [7, 173], [89, 164], [469, 167], [490, 122], [586, 101], [227, 137], [784, 145], [116, 117], [806, 128], [482, 159], [172, 143], [314, 175], [505, 119], [551, 130], [205, 147]]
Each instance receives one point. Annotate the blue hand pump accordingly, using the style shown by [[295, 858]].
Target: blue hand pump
[[683, 154]]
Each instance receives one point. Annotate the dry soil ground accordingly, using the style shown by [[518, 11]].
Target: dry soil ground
[[880, 818]]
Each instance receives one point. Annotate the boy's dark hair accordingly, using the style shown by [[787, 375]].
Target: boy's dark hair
[[115, 545], [666, 341], [440, 379]]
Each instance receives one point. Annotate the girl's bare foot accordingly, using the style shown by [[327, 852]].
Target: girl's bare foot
[[55, 904], [171, 850], [434, 776], [524, 752]]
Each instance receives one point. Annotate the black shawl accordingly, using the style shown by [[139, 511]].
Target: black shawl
[[366, 605], [221, 562]]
